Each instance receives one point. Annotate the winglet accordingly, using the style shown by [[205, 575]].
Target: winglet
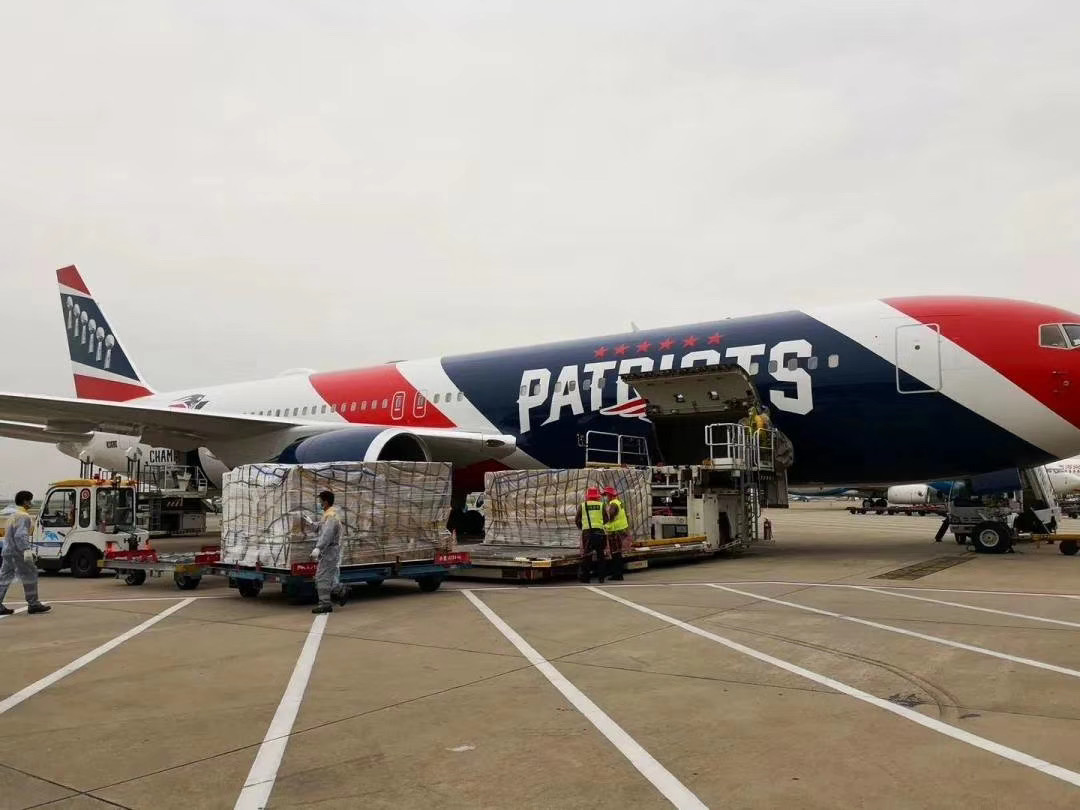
[[101, 367]]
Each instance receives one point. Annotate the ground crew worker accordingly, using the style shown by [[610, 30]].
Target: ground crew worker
[[18, 557], [617, 529], [590, 519], [327, 553]]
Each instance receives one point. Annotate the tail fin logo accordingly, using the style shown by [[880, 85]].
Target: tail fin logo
[[631, 409], [100, 365]]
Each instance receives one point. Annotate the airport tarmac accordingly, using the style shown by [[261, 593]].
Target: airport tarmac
[[794, 676]]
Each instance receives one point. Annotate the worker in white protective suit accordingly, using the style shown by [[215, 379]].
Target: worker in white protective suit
[[327, 553], [18, 556]]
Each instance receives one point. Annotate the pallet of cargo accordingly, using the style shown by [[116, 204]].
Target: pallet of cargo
[[298, 581]]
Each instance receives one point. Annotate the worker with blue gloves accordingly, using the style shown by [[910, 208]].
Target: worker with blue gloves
[[327, 553], [18, 557]]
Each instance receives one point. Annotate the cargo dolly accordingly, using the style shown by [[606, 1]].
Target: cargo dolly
[[297, 581]]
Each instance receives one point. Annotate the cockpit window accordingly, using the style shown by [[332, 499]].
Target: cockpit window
[[1072, 332], [1051, 336]]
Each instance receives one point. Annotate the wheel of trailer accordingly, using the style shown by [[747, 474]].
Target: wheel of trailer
[[991, 538], [868, 504], [82, 560], [186, 582], [1068, 547], [249, 588], [429, 584], [135, 578]]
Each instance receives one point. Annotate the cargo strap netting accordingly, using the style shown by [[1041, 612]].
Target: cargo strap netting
[[389, 510], [538, 507]]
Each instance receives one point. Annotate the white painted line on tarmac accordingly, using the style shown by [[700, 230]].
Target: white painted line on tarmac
[[904, 632], [1019, 757], [23, 609], [260, 780], [542, 588], [93, 655], [969, 607], [661, 778]]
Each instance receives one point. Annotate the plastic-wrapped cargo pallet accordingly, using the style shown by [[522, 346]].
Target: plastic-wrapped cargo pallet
[[537, 507], [389, 509]]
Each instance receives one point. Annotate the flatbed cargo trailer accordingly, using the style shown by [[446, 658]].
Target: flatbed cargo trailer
[[921, 510], [541, 563], [298, 581]]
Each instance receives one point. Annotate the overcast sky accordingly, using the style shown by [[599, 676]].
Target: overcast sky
[[256, 185]]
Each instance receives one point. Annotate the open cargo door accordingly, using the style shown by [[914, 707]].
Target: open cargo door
[[681, 403]]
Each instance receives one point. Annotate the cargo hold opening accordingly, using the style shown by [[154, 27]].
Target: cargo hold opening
[[683, 402]]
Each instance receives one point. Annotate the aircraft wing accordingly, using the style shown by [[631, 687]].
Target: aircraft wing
[[64, 416], [38, 433], [59, 419]]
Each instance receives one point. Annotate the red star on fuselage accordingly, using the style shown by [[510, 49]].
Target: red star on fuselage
[[715, 338], [601, 352], [690, 342], [644, 346], [666, 344], [621, 349]]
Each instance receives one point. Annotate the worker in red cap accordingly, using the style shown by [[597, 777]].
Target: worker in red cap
[[617, 531], [590, 519]]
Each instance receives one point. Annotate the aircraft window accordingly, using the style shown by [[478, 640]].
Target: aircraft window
[[573, 385], [754, 369], [522, 391], [1051, 336], [295, 411], [774, 366], [374, 404], [363, 405], [437, 398], [811, 363], [324, 408], [385, 402], [834, 360], [448, 397], [1072, 332], [278, 412], [792, 364], [586, 385], [305, 411], [353, 407], [600, 383], [535, 388], [460, 396]]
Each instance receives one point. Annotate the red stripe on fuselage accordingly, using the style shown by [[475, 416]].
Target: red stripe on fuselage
[[69, 277], [375, 385], [107, 390], [1004, 334]]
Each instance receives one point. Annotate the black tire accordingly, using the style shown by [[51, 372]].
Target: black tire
[[135, 578], [249, 588], [186, 582], [1068, 547], [83, 562], [429, 584], [991, 538], [867, 504]]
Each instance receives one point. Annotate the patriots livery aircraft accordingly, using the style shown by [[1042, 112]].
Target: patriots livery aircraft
[[893, 390]]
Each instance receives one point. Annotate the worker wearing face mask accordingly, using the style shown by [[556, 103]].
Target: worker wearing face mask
[[327, 553]]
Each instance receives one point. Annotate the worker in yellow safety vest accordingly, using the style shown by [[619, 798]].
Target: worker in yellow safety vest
[[617, 529], [590, 519]]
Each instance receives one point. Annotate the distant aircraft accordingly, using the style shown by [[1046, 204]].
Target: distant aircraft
[[900, 389], [1065, 475]]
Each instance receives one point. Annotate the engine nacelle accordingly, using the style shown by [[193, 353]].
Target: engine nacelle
[[357, 444]]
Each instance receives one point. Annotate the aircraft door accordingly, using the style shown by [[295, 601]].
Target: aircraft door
[[419, 410], [918, 358], [397, 406]]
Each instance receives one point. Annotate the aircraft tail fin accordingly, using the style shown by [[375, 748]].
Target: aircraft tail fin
[[101, 367]]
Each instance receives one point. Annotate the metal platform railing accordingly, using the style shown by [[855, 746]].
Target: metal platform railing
[[615, 449]]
